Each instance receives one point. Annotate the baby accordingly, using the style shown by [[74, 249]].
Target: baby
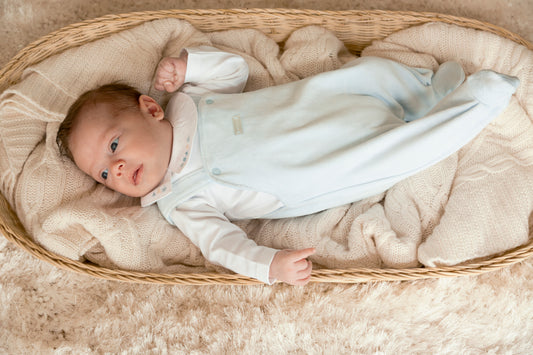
[[216, 155]]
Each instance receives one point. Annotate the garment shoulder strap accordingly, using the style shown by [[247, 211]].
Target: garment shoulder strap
[[183, 189]]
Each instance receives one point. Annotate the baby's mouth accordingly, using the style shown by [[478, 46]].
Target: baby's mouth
[[137, 175]]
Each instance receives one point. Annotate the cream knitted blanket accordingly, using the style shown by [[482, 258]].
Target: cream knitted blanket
[[473, 204]]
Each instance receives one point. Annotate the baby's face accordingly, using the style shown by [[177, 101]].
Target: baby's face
[[128, 153]]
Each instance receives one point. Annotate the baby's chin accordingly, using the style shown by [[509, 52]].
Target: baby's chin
[[136, 194], [140, 193]]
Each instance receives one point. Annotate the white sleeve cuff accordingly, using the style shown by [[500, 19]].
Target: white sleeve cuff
[[212, 70]]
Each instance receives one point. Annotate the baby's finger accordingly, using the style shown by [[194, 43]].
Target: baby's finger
[[300, 264], [304, 271], [302, 281], [302, 253], [166, 69], [159, 83], [167, 65], [169, 86]]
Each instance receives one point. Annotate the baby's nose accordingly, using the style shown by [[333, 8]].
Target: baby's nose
[[117, 168]]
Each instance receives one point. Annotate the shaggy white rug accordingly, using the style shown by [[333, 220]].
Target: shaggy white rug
[[46, 310]]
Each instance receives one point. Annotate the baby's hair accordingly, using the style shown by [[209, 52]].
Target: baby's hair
[[120, 96]]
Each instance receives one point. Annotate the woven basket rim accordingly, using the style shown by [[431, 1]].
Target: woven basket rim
[[6, 72], [12, 229]]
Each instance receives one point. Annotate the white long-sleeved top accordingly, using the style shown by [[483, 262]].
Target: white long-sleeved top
[[206, 218]]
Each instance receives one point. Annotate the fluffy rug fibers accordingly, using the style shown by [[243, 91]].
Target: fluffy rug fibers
[[48, 310]]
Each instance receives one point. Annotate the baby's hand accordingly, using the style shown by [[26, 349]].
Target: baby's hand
[[291, 266], [170, 74]]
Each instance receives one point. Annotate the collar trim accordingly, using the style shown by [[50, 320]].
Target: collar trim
[[182, 114]]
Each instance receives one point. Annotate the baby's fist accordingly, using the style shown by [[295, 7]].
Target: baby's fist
[[170, 73], [292, 266]]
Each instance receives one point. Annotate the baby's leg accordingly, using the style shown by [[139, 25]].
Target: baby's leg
[[410, 93], [458, 117], [483, 95]]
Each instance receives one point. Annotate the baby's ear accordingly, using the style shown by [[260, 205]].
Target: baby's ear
[[150, 107]]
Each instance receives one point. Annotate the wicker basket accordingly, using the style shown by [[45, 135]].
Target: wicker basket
[[356, 29]]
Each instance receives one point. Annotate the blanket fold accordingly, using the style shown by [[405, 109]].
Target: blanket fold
[[473, 204]]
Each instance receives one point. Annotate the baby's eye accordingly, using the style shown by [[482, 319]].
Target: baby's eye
[[104, 174], [114, 145]]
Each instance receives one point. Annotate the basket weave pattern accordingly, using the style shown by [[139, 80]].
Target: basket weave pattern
[[357, 29]]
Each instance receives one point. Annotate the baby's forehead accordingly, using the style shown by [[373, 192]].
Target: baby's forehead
[[97, 111], [93, 116]]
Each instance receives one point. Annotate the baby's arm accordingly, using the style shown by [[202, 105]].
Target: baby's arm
[[200, 70], [225, 244]]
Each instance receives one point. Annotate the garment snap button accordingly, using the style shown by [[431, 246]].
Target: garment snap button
[[216, 171], [209, 101]]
